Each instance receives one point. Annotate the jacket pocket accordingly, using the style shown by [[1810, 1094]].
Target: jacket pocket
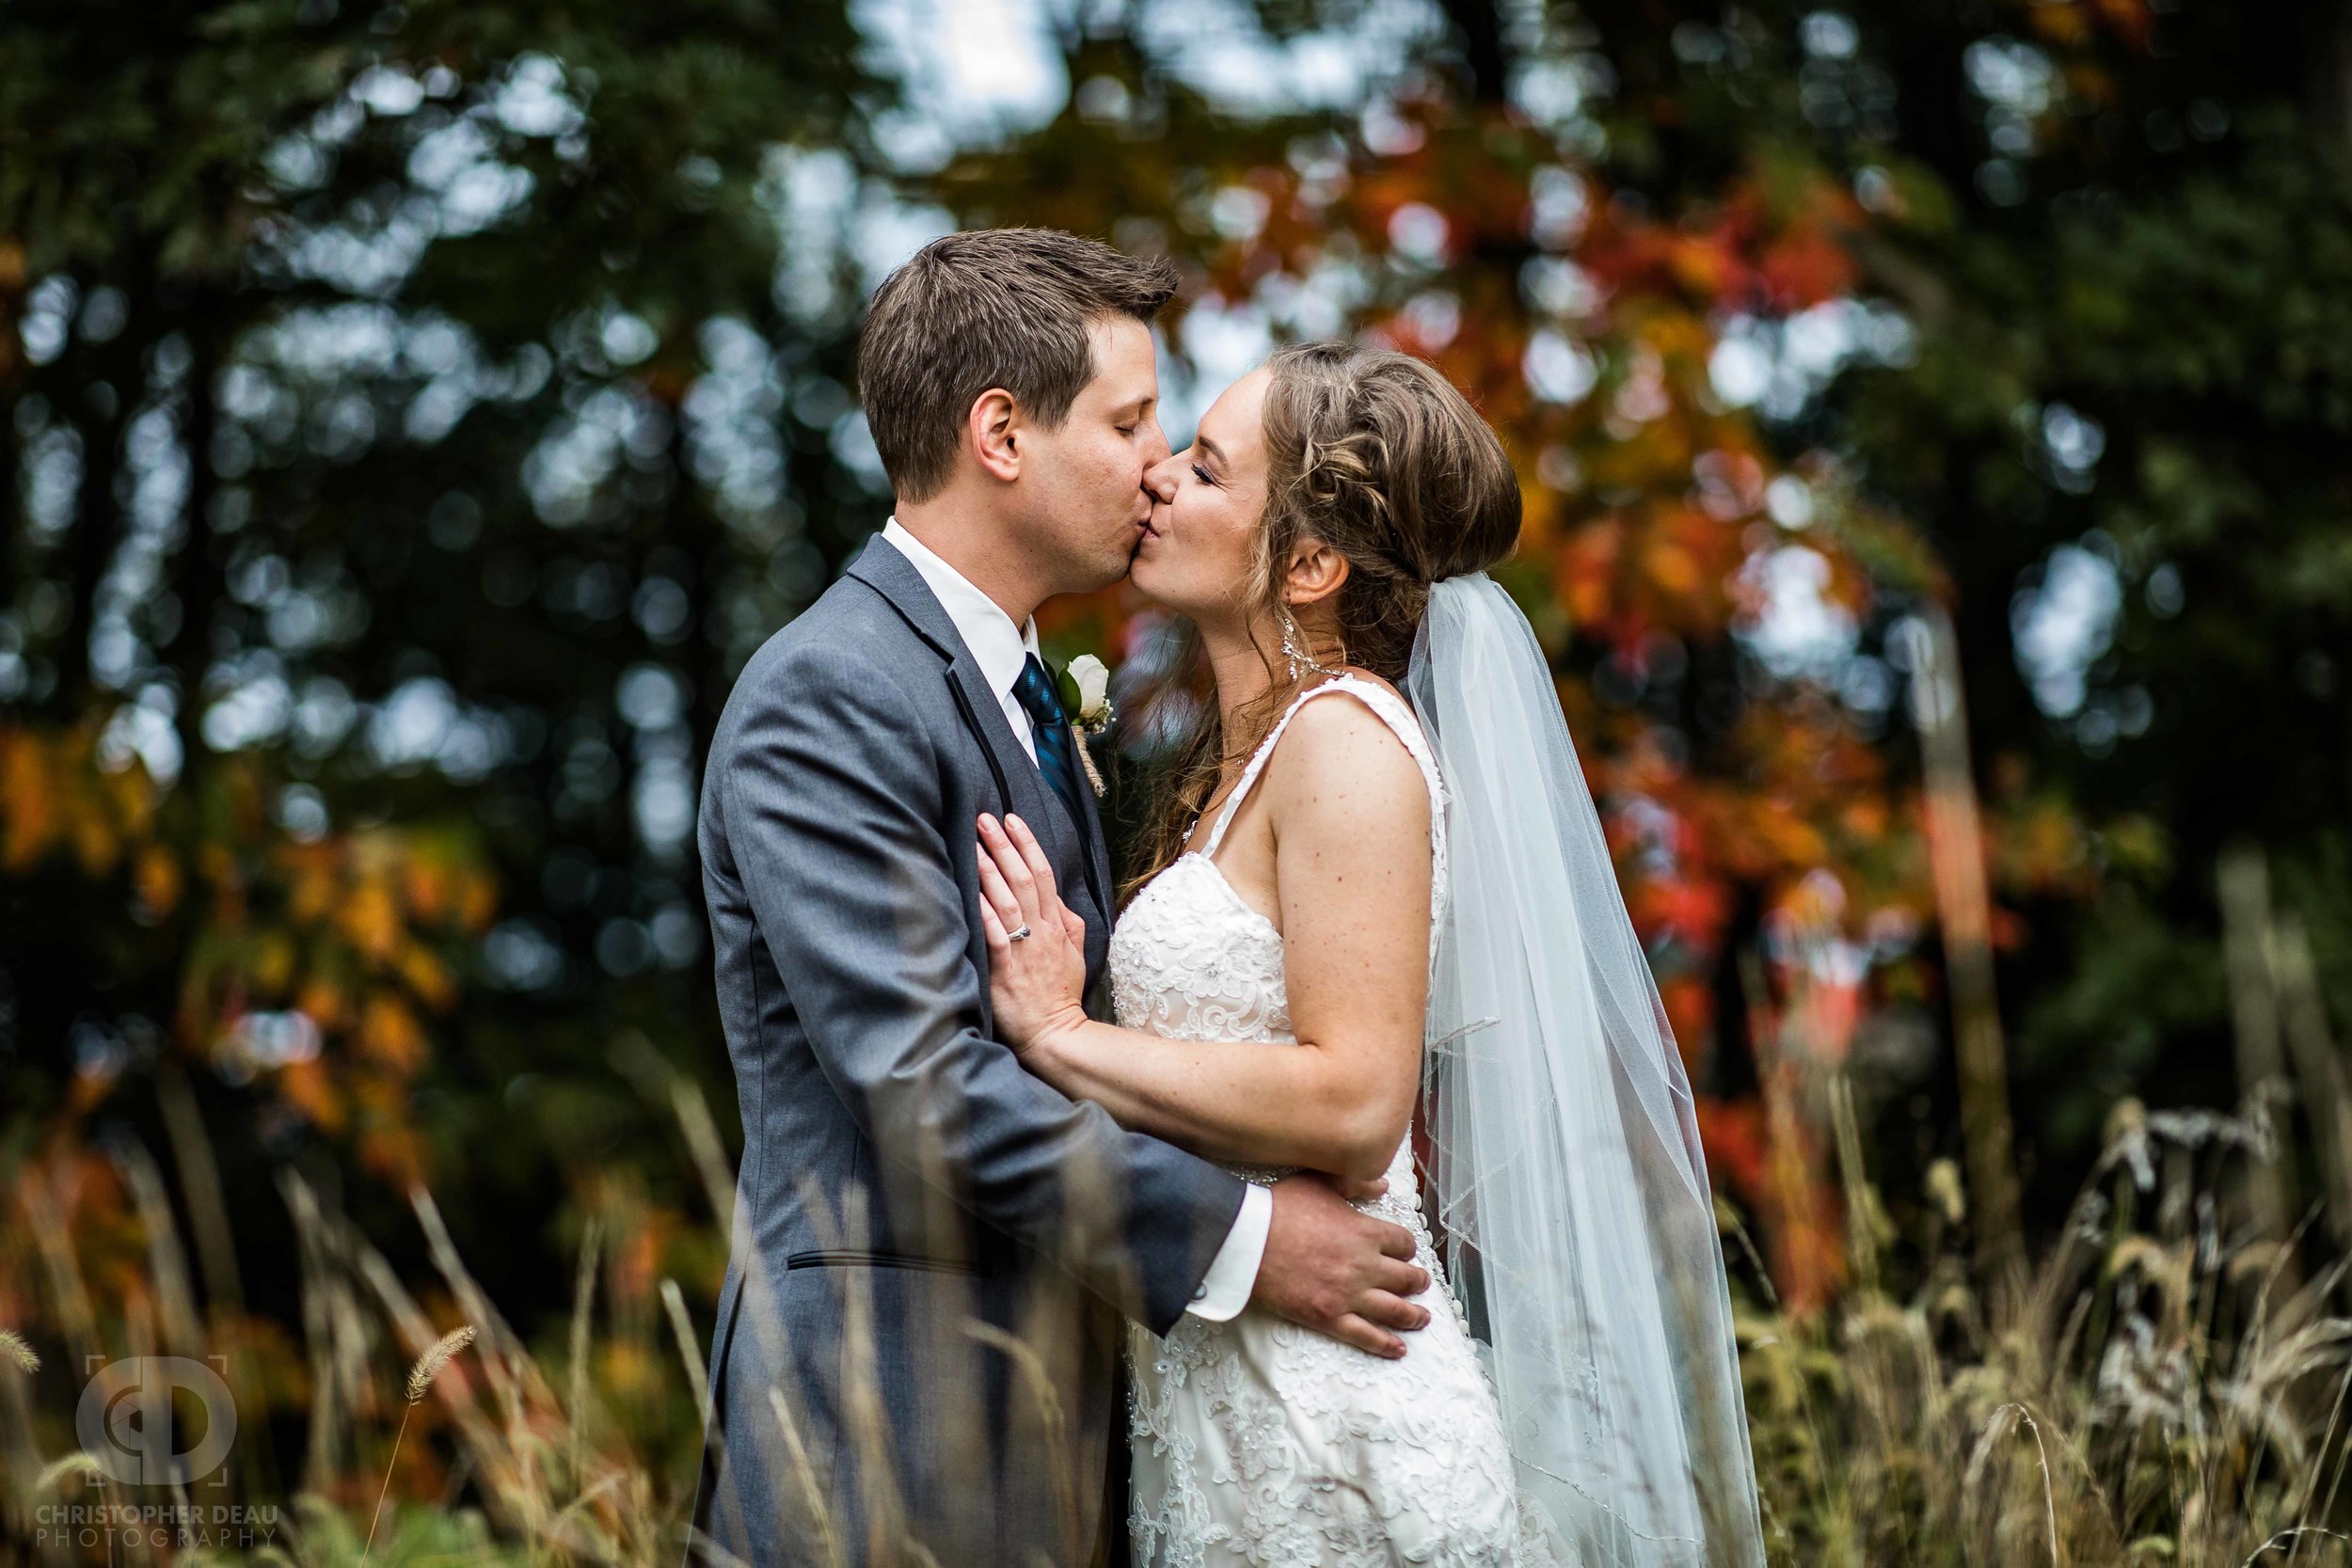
[[836, 1257]]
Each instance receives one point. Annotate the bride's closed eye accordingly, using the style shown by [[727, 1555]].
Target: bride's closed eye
[[1200, 472]]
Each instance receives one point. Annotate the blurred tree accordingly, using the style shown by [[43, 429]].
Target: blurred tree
[[410, 417], [2109, 246]]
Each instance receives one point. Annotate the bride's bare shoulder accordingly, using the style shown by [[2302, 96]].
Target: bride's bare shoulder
[[1341, 758]]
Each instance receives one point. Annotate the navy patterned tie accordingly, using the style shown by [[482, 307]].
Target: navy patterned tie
[[1049, 725]]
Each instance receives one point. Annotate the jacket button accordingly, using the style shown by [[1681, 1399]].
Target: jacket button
[[1200, 1293]]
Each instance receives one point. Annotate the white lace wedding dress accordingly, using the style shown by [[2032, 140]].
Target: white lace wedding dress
[[1257, 1441]]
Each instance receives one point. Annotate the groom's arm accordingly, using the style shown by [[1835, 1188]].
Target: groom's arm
[[832, 798]]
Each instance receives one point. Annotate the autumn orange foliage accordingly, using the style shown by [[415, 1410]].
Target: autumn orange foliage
[[312, 966]]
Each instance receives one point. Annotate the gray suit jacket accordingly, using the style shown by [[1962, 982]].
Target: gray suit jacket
[[910, 1195]]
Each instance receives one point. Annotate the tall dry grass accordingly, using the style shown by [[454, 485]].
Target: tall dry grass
[[2169, 1389], [2161, 1393]]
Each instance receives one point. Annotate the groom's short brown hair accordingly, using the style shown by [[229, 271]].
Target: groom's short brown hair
[[995, 307]]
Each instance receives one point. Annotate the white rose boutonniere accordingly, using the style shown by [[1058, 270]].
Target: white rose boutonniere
[[1090, 683], [1086, 694]]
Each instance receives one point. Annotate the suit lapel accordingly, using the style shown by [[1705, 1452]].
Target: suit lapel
[[881, 567], [1098, 854]]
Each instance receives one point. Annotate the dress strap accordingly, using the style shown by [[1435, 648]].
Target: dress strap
[[1392, 711]]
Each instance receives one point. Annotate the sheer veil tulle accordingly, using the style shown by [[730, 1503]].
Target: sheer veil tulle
[[1564, 1166]]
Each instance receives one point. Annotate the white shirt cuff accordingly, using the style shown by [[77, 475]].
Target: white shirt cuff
[[1233, 1274]]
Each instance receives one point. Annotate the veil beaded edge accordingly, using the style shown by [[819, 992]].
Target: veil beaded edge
[[1564, 1168]]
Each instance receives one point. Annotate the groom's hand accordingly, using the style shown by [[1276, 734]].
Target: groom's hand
[[1339, 1271]]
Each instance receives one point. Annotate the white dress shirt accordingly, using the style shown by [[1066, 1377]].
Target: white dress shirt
[[1001, 650]]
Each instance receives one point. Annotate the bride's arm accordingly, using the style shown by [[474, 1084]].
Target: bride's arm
[[1350, 815]]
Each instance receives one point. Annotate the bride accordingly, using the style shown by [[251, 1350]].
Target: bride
[[1374, 883]]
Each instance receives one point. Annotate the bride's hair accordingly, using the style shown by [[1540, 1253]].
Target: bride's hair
[[1378, 456]]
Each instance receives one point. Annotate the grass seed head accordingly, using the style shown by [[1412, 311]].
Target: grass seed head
[[13, 1346], [429, 1364], [78, 1463]]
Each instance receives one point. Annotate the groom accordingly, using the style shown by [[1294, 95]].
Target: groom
[[919, 1333]]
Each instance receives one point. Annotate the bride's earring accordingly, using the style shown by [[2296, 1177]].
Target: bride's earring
[[1302, 659]]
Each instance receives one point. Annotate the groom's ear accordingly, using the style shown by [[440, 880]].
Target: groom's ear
[[995, 428], [1316, 572]]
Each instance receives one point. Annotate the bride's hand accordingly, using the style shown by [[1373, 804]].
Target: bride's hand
[[1037, 983]]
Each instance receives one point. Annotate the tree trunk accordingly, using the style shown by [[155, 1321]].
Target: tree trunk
[[2244, 882], [2328, 52], [1483, 55], [97, 529], [16, 562], [1964, 906], [199, 580]]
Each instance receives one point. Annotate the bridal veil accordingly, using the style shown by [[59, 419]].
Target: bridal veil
[[1564, 1168]]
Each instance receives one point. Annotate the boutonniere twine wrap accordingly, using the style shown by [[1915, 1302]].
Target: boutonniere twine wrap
[[1086, 695]]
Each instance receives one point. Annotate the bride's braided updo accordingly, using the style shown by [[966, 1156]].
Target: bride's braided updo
[[1378, 455]]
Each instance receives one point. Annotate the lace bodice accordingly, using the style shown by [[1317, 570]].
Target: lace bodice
[[1256, 1441], [1190, 959]]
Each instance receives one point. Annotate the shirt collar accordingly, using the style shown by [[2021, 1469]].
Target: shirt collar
[[1000, 649]]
